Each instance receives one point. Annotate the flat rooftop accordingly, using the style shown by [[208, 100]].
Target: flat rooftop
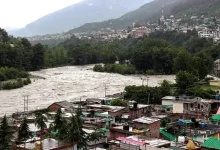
[[110, 108], [146, 120], [139, 106]]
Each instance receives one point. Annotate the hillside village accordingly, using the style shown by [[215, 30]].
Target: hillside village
[[204, 26]]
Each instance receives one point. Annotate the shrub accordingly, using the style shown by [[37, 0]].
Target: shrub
[[11, 73], [98, 68], [116, 68]]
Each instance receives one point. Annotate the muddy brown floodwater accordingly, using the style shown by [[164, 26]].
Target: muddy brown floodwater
[[69, 83]]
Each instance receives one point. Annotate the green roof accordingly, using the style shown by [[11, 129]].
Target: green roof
[[216, 117], [102, 115], [169, 107], [104, 129], [187, 121], [212, 143], [167, 134]]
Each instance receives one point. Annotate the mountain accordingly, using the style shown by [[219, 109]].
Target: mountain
[[78, 14], [152, 12]]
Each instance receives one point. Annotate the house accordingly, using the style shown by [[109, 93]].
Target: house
[[152, 124], [140, 32], [124, 131], [140, 143], [113, 111], [60, 105], [217, 67], [47, 144], [197, 107], [93, 144], [214, 83], [168, 100], [136, 110]]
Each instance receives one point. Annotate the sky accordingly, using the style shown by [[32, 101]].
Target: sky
[[18, 13]]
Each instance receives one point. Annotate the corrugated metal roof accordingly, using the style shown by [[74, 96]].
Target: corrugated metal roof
[[216, 117], [167, 134], [212, 143]]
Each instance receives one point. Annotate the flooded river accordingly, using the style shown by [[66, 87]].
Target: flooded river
[[69, 83]]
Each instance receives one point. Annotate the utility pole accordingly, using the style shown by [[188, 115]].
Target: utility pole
[[148, 99], [25, 103], [105, 89], [147, 80], [143, 79]]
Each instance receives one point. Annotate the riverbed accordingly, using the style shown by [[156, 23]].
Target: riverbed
[[70, 83]]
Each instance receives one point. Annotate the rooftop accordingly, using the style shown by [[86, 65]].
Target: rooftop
[[64, 104], [211, 143], [136, 140], [110, 108], [139, 106], [146, 120]]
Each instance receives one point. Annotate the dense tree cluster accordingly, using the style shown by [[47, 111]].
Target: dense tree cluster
[[19, 53], [115, 68], [148, 95]]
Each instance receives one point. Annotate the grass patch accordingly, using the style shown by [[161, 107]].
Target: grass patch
[[209, 87]]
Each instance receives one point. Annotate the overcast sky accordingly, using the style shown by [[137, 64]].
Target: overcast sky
[[18, 13]]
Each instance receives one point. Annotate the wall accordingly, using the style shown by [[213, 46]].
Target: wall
[[153, 127], [117, 113], [178, 108], [54, 108], [167, 102], [214, 83], [136, 113]]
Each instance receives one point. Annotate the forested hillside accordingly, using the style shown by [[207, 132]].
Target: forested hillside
[[197, 7]]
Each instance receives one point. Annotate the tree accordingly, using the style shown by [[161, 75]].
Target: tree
[[184, 80], [23, 132], [60, 126], [95, 136], [117, 102], [82, 134], [165, 88], [37, 60], [202, 64], [73, 133], [183, 61], [40, 123], [6, 135]]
